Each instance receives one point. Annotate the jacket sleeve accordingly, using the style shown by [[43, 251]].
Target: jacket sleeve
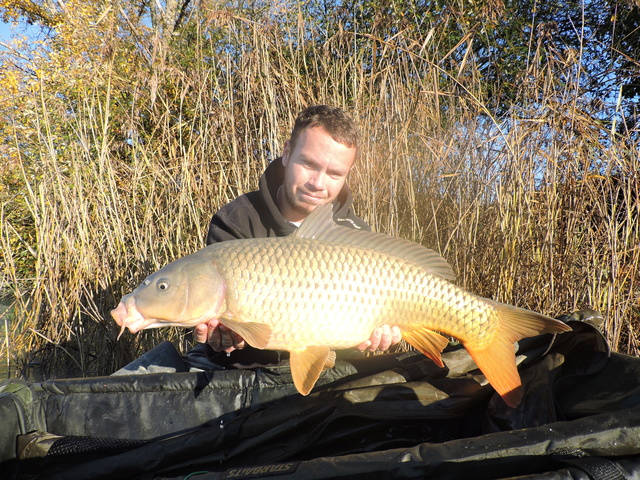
[[236, 220], [221, 230]]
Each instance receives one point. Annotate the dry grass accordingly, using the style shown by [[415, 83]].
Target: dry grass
[[538, 208]]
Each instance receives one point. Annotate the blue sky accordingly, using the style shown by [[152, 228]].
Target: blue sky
[[5, 32]]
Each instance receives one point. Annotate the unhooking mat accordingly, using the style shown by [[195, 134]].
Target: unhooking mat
[[386, 416]]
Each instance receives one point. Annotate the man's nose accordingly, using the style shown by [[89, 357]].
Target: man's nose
[[317, 180]]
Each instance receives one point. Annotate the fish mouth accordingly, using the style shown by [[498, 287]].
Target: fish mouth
[[126, 315]]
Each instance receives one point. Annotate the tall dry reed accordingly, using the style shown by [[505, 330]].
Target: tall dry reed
[[538, 207]]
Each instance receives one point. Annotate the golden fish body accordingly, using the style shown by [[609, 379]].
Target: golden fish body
[[328, 287], [316, 293]]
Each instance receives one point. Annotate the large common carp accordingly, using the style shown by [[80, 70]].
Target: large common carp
[[328, 287]]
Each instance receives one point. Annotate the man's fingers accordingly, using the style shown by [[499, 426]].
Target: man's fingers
[[396, 335], [381, 339], [375, 339], [200, 333], [238, 341], [215, 339], [227, 340], [385, 338]]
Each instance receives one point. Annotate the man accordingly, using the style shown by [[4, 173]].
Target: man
[[316, 159]]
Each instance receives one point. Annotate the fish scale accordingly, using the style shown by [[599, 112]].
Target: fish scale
[[328, 287], [341, 285]]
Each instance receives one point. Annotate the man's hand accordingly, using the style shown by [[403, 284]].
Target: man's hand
[[219, 337], [381, 339]]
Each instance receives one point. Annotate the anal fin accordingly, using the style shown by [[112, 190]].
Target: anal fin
[[307, 364], [427, 342], [498, 363]]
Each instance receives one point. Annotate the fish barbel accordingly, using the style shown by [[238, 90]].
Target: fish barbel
[[328, 287]]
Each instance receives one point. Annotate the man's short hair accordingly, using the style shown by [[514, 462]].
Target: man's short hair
[[333, 120]]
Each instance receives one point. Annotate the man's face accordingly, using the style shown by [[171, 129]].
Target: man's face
[[315, 172]]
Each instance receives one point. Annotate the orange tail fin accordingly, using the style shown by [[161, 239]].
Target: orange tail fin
[[497, 359]]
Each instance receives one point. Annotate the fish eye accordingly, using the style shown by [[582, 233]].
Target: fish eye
[[162, 285]]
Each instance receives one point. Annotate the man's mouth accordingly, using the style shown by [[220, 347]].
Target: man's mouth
[[313, 199]]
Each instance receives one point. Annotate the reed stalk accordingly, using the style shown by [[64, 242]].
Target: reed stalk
[[538, 207]]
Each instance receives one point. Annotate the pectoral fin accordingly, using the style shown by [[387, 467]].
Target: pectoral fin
[[307, 365], [255, 334], [428, 342]]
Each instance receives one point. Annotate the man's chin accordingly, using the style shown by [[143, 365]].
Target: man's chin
[[307, 208], [303, 205]]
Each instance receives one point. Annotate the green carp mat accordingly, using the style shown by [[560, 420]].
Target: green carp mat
[[384, 416]]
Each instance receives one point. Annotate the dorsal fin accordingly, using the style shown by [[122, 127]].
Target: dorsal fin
[[319, 225]]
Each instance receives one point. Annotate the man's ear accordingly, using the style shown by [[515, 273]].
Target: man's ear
[[285, 153]]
